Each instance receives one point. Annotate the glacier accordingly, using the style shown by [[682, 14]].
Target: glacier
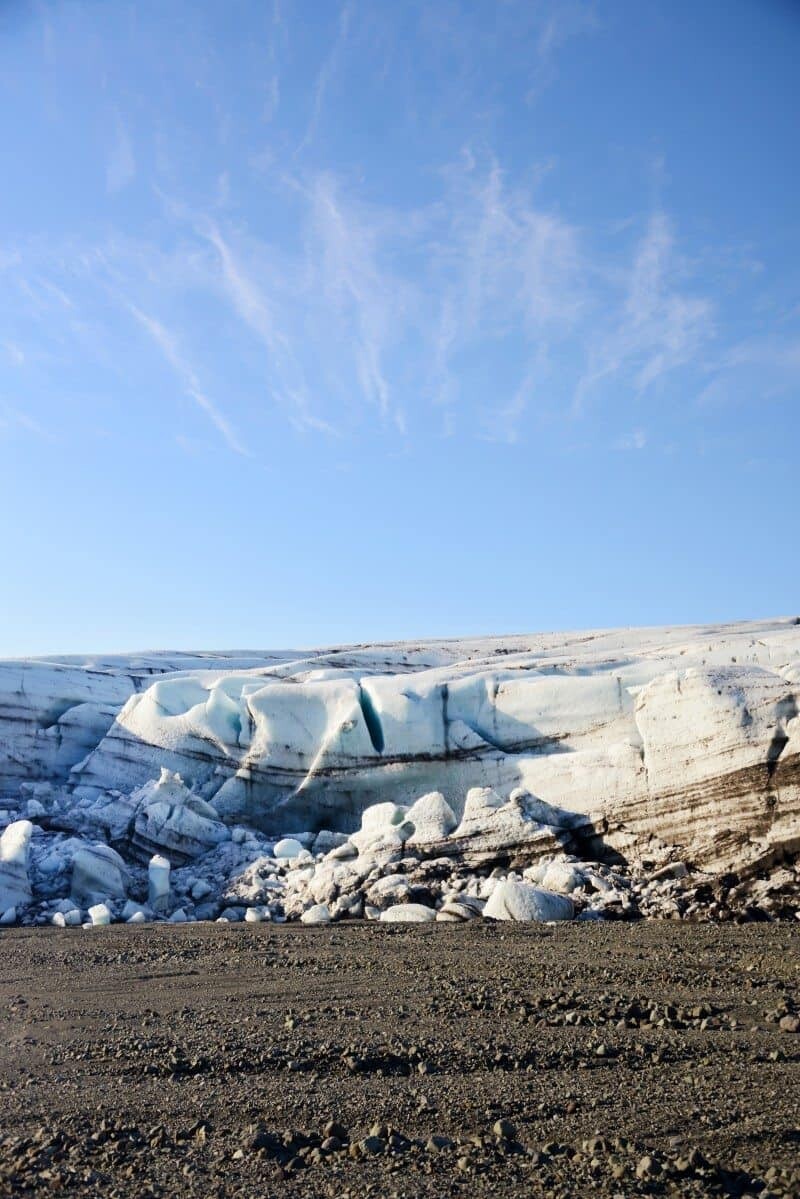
[[634, 751]]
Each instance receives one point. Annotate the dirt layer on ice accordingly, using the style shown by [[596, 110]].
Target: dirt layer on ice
[[364, 1060]]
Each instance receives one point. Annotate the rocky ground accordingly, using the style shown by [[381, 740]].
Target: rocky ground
[[368, 1059]]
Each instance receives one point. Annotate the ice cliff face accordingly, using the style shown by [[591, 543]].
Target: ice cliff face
[[647, 742]]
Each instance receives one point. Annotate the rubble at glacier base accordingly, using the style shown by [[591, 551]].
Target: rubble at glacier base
[[415, 864]]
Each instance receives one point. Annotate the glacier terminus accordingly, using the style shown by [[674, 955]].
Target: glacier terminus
[[591, 774]]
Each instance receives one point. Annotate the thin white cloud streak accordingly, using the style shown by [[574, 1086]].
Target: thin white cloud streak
[[519, 258], [300, 416], [781, 354], [507, 268], [444, 391], [326, 74], [483, 243], [658, 328], [352, 281], [168, 346], [328, 307], [272, 98], [502, 422], [565, 20], [11, 418], [248, 298], [121, 165], [256, 311], [765, 367], [272, 87], [637, 440]]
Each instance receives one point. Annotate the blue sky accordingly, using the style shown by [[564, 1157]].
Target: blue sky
[[324, 322]]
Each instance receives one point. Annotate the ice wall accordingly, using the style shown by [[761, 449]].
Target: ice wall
[[683, 736]]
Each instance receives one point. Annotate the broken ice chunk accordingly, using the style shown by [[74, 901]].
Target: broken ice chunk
[[15, 887], [318, 914], [512, 900], [98, 872], [408, 913], [287, 847], [158, 889], [100, 913]]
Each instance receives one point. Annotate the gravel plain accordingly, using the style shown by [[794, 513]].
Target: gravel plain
[[611, 1059]]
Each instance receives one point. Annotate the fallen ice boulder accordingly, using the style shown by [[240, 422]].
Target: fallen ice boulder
[[556, 875], [458, 908], [15, 887], [100, 913], [388, 891], [408, 913], [98, 872], [318, 914], [288, 848], [257, 914], [158, 887], [512, 900]]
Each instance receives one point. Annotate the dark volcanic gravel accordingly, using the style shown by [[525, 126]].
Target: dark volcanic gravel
[[583, 1059]]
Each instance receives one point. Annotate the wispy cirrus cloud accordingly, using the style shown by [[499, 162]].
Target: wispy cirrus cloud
[[327, 307], [121, 164], [560, 23], [344, 253], [498, 267], [428, 286], [521, 260], [277, 39], [506, 268], [15, 418], [168, 345], [326, 73], [486, 303], [245, 293], [502, 421], [659, 325], [635, 440], [762, 367]]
